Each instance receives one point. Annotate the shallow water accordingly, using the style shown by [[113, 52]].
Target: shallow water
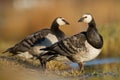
[[97, 62]]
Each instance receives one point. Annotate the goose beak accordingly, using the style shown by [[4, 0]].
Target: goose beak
[[66, 22], [81, 19]]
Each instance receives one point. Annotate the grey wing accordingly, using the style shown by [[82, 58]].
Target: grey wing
[[70, 46], [29, 41]]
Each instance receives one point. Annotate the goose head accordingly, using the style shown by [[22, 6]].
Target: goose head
[[61, 21], [86, 18]]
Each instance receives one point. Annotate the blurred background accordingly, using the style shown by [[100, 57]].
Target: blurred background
[[19, 18]]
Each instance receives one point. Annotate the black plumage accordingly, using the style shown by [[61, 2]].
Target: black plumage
[[28, 42]]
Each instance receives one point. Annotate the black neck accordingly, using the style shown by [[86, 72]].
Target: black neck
[[54, 26], [93, 37], [56, 31], [92, 25]]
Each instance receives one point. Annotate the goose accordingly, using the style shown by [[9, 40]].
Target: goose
[[30, 46], [78, 48]]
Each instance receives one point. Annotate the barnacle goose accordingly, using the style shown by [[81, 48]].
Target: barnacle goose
[[78, 48], [40, 39]]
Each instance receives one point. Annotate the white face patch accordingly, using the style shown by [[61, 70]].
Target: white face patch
[[88, 18], [60, 21]]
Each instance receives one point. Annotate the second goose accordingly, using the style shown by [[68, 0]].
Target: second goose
[[81, 47]]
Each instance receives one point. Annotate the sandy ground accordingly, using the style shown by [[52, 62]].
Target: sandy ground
[[12, 68]]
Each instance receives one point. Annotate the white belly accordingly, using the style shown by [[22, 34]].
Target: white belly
[[25, 55], [89, 54]]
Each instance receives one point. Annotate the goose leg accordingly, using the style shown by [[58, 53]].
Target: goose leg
[[43, 63], [81, 66], [46, 59]]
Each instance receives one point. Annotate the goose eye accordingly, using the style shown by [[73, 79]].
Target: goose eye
[[63, 20]]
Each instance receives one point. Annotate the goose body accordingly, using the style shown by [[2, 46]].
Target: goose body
[[31, 45], [81, 47]]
